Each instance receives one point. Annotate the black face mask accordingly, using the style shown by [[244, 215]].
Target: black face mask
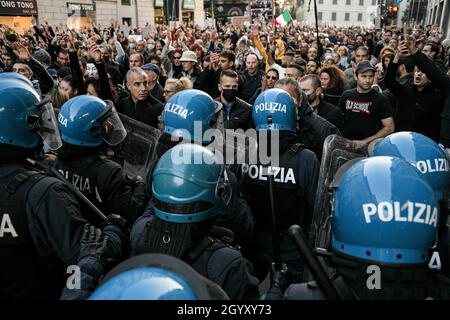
[[229, 94]]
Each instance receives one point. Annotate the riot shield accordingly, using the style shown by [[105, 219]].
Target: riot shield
[[139, 147], [336, 152], [234, 147]]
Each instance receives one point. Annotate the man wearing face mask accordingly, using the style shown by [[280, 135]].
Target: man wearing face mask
[[237, 114]]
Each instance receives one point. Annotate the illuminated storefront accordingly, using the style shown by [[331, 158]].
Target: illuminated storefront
[[188, 10], [18, 14], [80, 15]]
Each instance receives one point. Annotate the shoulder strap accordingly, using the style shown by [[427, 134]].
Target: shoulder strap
[[199, 256], [293, 149], [20, 177]]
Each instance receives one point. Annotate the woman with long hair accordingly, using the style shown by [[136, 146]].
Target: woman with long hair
[[332, 81]]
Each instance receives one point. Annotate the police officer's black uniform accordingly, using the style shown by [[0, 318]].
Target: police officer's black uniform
[[102, 181], [295, 183], [40, 230], [210, 257]]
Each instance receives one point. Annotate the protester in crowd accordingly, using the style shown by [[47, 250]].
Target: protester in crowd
[[332, 82]]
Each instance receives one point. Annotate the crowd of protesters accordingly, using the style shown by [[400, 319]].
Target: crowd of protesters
[[235, 64]]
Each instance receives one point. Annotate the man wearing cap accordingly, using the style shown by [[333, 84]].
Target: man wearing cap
[[156, 90], [365, 110]]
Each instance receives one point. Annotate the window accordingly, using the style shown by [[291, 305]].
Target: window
[[374, 2], [334, 1], [126, 2], [359, 16], [126, 21], [347, 16], [361, 2], [320, 1], [333, 16], [348, 2], [319, 15]]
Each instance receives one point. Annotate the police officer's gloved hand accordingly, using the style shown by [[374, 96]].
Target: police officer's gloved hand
[[93, 244], [115, 227], [279, 282]]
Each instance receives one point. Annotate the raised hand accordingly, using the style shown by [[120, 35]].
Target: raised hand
[[21, 52], [95, 52]]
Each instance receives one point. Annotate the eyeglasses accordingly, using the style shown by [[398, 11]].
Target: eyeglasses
[[176, 58], [271, 77]]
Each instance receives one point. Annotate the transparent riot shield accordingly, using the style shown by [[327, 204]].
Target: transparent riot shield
[[336, 152], [139, 147], [234, 147]]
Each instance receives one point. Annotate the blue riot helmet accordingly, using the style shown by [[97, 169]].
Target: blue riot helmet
[[274, 109], [189, 184], [384, 211], [16, 76], [187, 110], [156, 277], [421, 152], [25, 120], [88, 121]]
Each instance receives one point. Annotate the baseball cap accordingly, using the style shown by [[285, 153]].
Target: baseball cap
[[151, 67], [364, 66]]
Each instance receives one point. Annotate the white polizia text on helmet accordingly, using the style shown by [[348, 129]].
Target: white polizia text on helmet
[[414, 212]]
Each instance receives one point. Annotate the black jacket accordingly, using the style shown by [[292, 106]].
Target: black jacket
[[416, 111], [224, 265], [248, 84], [103, 182], [313, 129], [157, 95], [239, 116], [441, 81], [41, 74], [142, 111], [49, 227], [330, 113]]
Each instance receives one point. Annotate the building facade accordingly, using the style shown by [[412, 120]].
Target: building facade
[[20, 14], [438, 12], [343, 13]]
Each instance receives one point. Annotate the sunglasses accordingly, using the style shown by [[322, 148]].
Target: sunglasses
[[271, 77], [177, 58]]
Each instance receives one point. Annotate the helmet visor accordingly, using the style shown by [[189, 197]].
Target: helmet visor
[[113, 131], [48, 126]]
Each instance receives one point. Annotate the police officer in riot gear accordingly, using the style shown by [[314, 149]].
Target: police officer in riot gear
[[156, 277], [40, 220], [88, 125], [183, 113], [431, 160], [384, 223], [294, 177], [189, 187]]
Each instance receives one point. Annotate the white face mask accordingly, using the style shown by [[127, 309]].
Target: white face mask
[[91, 70]]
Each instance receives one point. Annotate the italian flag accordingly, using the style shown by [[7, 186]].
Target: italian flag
[[283, 19]]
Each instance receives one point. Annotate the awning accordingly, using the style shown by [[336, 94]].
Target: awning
[[18, 8]]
